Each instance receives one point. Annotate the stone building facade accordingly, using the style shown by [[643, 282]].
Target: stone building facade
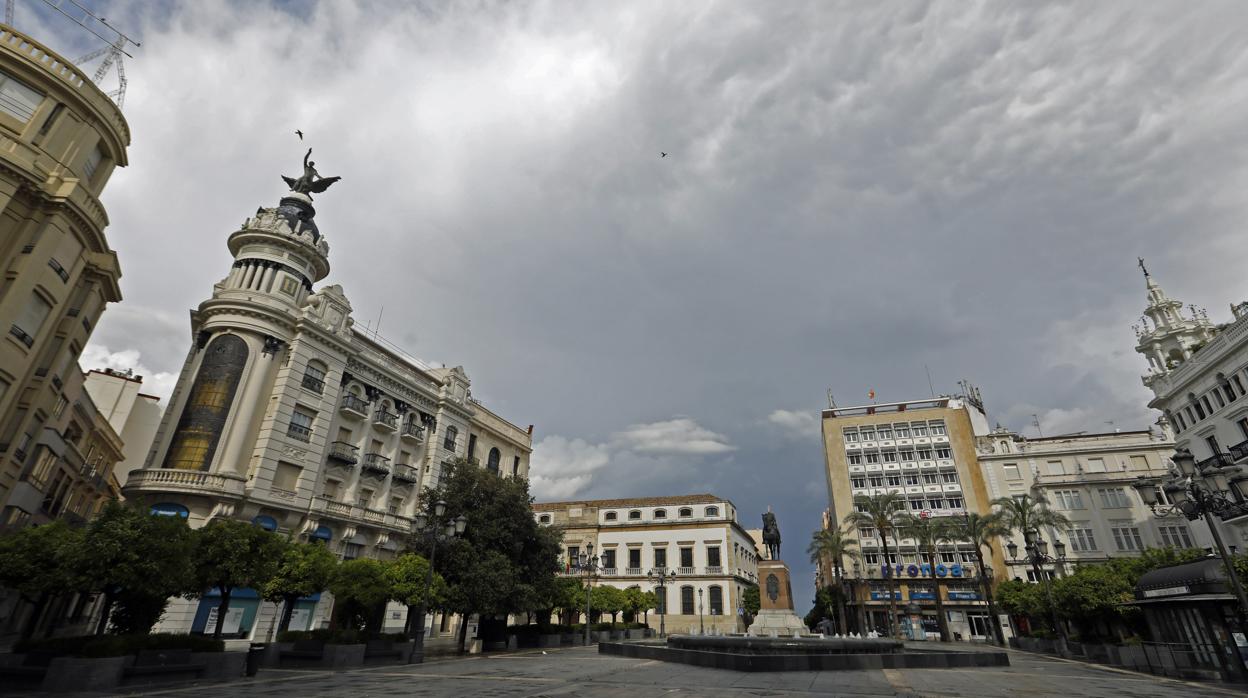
[[287, 416], [62, 138], [697, 536], [133, 414]]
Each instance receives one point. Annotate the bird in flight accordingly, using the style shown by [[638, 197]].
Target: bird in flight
[[662, 154], [299, 133]]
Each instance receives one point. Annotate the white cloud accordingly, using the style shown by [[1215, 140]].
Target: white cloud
[[158, 383], [560, 468], [802, 424], [680, 436]]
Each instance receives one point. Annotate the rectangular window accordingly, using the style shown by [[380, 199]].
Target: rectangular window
[[301, 424], [30, 320], [918, 430], [858, 482], [916, 504], [712, 556], [1095, 465], [894, 481], [851, 435], [660, 599], [1127, 538], [17, 99], [1055, 467], [716, 599], [351, 551], [686, 601], [931, 479], [332, 488], [873, 458], [925, 454], [938, 428], [1011, 471], [314, 379], [1175, 536], [365, 498], [884, 433], [866, 532], [686, 557], [395, 503], [1068, 499], [906, 454], [1139, 462], [955, 502], [1178, 418], [287, 477], [1204, 399], [660, 557], [949, 478], [92, 163], [876, 481], [1243, 426], [912, 479], [1082, 540], [43, 467], [289, 286], [608, 559], [1217, 397], [889, 456], [867, 435], [855, 459], [472, 445], [1214, 447], [1113, 498], [574, 553], [634, 558], [943, 452], [902, 431]]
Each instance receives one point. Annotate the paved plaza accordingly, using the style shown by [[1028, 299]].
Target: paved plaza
[[582, 672]]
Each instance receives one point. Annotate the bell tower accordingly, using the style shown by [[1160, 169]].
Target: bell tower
[[1165, 336]]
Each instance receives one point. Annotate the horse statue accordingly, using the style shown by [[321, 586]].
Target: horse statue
[[771, 535]]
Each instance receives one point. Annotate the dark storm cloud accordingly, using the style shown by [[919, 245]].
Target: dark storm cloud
[[853, 191]]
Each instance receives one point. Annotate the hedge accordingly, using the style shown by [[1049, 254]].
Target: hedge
[[118, 645], [337, 637]]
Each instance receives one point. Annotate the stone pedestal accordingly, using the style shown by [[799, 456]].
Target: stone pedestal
[[775, 592]]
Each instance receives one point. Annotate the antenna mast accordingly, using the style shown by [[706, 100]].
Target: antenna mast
[[112, 53]]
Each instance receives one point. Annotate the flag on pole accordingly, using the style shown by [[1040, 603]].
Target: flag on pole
[[871, 394]]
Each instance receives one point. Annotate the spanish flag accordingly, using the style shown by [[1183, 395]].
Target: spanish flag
[[871, 394]]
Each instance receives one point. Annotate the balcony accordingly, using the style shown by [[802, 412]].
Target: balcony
[[386, 420], [610, 571], [1240, 450], [376, 465], [353, 406], [168, 480], [404, 473], [633, 571], [1217, 460], [684, 570], [314, 384], [413, 431], [344, 452], [714, 569]]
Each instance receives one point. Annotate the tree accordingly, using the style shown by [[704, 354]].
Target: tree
[[928, 533], [36, 562], [751, 601], [1028, 516], [880, 511], [233, 555], [1019, 598], [566, 596], [303, 570], [834, 545], [607, 599], [504, 559], [360, 590], [981, 530], [408, 576], [146, 556]]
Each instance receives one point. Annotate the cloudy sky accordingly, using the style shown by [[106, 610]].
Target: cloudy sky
[[853, 191]]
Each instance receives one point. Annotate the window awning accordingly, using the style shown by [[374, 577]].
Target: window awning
[[1203, 577]]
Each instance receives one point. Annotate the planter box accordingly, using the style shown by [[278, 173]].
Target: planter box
[[73, 674], [221, 666], [617, 634], [568, 638], [273, 653], [552, 640], [343, 656]]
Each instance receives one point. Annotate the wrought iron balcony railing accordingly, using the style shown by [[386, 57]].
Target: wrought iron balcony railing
[[351, 403], [344, 452]]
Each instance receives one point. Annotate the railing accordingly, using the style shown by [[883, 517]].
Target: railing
[[684, 570], [314, 384], [299, 432], [344, 452], [406, 473], [387, 419], [354, 404], [172, 479], [413, 430], [1240, 450], [714, 569], [374, 516], [1217, 460], [610, 571], [338, 508], [633, 571], [376, 463]]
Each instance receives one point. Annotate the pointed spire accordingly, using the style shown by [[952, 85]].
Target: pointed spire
[[1142, 267]]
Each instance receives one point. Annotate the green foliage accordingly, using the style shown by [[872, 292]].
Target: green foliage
[[881, 512], [408, 575], [303, 570], [234, 554], [504, 563], [360, 590], [1020, 598], [607, 599], [118, 645], [1024, 514], [833, 546], [39, 559], [566, 594], [750, 600]]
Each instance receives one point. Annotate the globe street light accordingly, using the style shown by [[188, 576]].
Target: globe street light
[[661, 577], [430, 533], [701, 626], [587, 562]]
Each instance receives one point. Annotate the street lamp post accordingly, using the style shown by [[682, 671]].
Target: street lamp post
[[588, 563], [1212, 487], [701, 626], [431, 534], [661, 577], [860, 600], [1037, 554]]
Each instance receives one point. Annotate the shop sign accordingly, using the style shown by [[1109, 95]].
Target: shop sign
[[964, 596], [923, 596], [925, 570], [883, 595], [1167, 591]]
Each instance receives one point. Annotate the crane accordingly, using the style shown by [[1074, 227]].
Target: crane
[[112, 52]]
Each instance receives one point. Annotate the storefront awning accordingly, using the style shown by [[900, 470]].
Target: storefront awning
[[1203, 577], [1180, 599]]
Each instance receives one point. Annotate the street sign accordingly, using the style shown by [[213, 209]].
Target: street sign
[[925, 514]]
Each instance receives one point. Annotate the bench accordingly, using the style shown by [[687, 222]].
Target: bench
[[161, 663], [382, 648], [32, 669], [304, 650]]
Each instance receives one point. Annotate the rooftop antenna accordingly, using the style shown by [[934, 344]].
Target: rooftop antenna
[[1036, 421], [831, 400], [112, 53], [929, 380]]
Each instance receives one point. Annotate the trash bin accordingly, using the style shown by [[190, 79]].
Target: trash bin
[[255, 657]]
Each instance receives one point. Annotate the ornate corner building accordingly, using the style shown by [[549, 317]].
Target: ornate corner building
[[60, 140], [285, 415]]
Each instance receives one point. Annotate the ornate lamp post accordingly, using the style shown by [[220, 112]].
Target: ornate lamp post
[[859, 601], [431, 534], [1215, 486], [587, 562], [661, 577], [701, 627], [1037, 554]]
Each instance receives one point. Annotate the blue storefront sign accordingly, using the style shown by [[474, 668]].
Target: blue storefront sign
[[964, 596], [942, 570], [923, 596], [883, 595]]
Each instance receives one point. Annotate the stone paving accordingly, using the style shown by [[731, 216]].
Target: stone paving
[[582, 672]]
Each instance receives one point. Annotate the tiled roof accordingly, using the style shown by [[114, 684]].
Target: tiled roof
[[631, 502]]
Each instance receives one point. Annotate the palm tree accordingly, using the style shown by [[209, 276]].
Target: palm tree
[[980, 531], [1027, 516], [928, 533], [834, 544], [880, 511]]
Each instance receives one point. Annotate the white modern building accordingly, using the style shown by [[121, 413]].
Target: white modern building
[[696, 536], [1088, 478], [284, 415], [1198, 372], [133, 414]]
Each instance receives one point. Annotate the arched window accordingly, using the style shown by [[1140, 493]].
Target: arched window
[[609, 516], [491, 463], [686, 601], [170, 509], [544, 518], [660, 513], [448, 442], [712, 511], [314, 377], [268, 523], [717, 600], [686, 512], [634, 515], [515, 467], [207, 407]]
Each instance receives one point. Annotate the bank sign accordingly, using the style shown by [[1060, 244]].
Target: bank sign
[[925, 570]]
